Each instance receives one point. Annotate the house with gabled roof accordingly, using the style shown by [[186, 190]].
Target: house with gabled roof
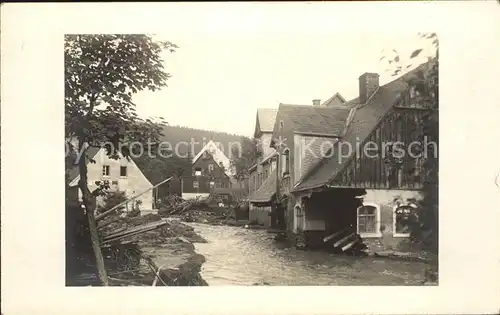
[[122, 174], [336, 100], [262, 172], [211, 168], [338, 175], [295, 125]]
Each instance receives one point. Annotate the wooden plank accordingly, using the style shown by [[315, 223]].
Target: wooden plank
[[133, 231], [349, 245], [107, 212], [329, 237], [337, 243]]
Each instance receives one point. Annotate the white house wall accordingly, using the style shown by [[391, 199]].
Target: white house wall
[[265, 139], [134, 183]]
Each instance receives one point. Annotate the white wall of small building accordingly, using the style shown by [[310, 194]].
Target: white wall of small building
[[134, 183]]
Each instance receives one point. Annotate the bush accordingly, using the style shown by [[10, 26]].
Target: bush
[[111, 199], [134, 213]]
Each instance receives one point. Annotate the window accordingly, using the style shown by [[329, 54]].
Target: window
[[105, 170], [210, 167], [197, 171], [195, 184], [281, 125], [265, 174], [212, 184], [369, 220], [402, 217], [413, 91], [286, 164], [123, 171]]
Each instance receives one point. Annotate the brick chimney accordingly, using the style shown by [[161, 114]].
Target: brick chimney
[[316, 102], [368, 84]]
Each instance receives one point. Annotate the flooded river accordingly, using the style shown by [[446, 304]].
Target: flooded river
[[237, 256]]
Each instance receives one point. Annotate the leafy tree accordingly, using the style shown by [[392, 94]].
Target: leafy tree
[[244, 157], [102, 73], [426, 230]]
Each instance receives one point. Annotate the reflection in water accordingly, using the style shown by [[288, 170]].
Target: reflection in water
[[236, 256]]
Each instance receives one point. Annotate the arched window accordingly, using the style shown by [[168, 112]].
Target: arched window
[[402, 218], [286, 162], [368, 222]]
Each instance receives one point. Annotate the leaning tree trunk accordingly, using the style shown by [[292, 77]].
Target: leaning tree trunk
[[89, 209]]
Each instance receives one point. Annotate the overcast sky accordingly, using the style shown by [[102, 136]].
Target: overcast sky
[[219, 80]]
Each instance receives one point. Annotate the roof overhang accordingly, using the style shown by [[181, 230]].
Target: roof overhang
[[320, 187], [265, 201], [317, 134]]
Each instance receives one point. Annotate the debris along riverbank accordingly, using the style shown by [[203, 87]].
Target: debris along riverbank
[[169, 250], [208, 211], [144, 251]]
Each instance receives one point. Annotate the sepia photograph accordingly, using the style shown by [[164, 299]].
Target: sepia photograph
[[267, 190]]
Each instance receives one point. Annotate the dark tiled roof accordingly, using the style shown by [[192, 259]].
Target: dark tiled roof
[[266, 190], [365, 118], [74, 172], [310, 119]]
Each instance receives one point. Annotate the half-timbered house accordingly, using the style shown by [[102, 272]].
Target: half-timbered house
[[364, 176]]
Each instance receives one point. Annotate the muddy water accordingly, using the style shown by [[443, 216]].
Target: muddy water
[[237, 256]]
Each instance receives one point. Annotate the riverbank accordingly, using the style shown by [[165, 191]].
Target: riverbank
[[164, 256], [170, 249]]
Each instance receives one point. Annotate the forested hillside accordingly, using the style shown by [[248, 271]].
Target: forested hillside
[[177, 134]]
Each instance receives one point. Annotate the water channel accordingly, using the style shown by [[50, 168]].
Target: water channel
[[238, 256]]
